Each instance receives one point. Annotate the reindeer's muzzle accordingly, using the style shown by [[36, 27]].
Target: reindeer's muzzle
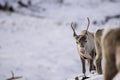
[[84, 54]]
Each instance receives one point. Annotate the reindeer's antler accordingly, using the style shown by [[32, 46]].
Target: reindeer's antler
[[73, 25], [13, 77], [88, 24]]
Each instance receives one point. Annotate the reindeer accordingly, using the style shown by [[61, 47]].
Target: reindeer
[[97, 40], [111, 53], [85, 46]]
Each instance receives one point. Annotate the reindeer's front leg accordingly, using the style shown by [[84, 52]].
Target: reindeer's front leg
[[83, 64]]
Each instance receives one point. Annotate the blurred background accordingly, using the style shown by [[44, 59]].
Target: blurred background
[[36, 40]]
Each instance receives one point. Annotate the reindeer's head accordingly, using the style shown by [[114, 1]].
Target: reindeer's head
[[82, 39]]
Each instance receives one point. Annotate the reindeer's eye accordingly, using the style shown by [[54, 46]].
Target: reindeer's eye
[[77, 42], [77, 37]]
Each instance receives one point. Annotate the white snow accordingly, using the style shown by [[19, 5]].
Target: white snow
[[44, 48]]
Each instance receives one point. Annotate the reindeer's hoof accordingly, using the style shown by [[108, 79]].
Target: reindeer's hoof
[[93, 72], [85, 77], [76, 78]]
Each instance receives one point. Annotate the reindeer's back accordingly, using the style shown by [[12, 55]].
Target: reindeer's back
[[112, 36]]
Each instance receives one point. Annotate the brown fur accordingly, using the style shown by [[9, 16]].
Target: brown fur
[[85, 46], [97, 41], [111, 53]]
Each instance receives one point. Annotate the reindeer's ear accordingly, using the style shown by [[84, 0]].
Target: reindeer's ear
[[75, 36]]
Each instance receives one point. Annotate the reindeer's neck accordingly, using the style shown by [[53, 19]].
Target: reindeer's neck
[[90, 43]]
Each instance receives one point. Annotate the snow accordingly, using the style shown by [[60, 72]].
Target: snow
[[44, 48], [38, 49]]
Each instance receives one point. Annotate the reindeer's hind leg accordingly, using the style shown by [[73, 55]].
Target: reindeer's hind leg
[[92, 67], [98, 57], [90, 61], [98, 64]]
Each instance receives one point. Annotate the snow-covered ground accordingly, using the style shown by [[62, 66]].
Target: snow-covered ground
[[44, 48]]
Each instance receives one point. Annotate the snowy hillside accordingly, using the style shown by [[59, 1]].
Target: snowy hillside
[[37, 43]]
